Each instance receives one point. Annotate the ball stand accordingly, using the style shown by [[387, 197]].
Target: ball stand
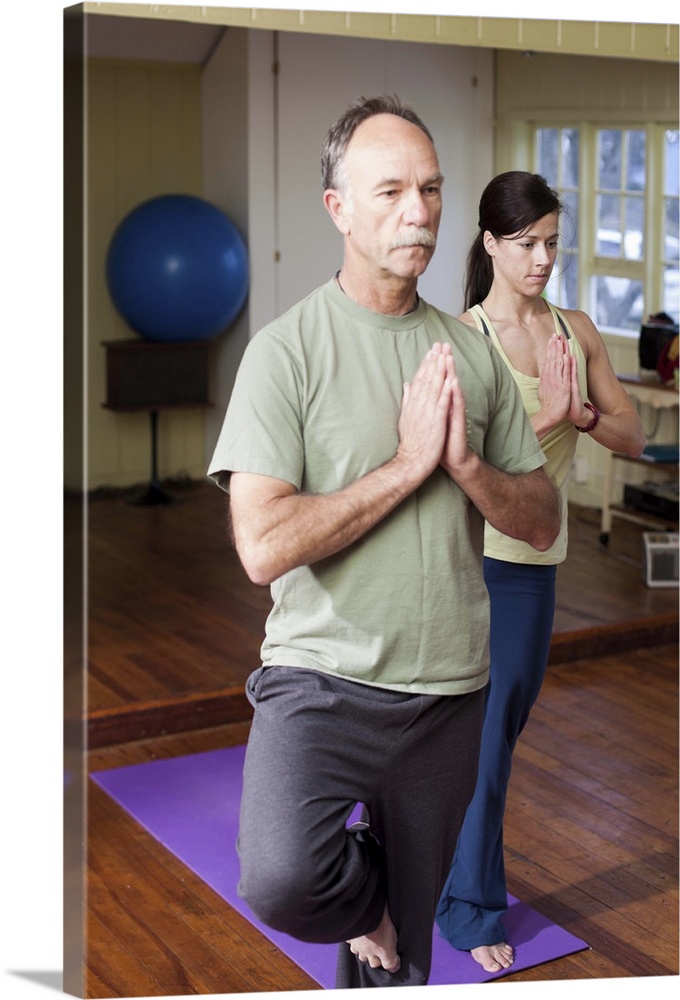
[[147, 376], [153, 493]]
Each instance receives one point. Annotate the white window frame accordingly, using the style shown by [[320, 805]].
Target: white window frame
[[649, 270]]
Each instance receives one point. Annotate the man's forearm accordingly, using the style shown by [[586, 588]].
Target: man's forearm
[[277, 529]]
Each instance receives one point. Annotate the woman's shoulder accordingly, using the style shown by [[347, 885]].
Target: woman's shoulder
[[467, 318], [582, 327], [576, 318]]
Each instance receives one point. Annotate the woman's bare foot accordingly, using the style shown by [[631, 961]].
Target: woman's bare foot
[[494, 957], [379, 948]]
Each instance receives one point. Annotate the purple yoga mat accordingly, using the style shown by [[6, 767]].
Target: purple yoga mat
[[190, 804]]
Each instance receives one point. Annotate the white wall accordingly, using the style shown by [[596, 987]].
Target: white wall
[[262, 225], [225, 183]]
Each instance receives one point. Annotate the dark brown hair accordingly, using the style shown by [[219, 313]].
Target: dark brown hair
[[510, 204]]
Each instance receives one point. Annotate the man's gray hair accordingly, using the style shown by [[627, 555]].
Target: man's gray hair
[[339, 135]]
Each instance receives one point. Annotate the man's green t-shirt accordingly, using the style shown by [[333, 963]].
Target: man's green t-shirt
[[316, 403]]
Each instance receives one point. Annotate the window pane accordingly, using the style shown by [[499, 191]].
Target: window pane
[[670, 235], [562, 289], [569, 222], [547, 154], [609, 158], [671, 164], [570, 154], [618, 303], [633, 241], [670, 292], [635, 161], [608, 226], [570, 282]]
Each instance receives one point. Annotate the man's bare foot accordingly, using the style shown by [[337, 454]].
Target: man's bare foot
[[494, 957], [379, 948]]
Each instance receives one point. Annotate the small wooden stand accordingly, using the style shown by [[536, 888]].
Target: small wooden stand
[[149, 376]]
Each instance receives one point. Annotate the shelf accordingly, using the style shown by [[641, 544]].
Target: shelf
[[637, 517], [650, 392]]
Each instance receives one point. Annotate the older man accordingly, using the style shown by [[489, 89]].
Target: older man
[[367, 439]]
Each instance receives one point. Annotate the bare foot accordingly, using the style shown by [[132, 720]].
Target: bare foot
[[494, 957], [379, 948]]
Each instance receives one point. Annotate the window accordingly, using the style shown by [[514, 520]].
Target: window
[[619, 254], [671, 169], [558, 162]]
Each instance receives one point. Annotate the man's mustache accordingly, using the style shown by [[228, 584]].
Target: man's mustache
[[420, 237]]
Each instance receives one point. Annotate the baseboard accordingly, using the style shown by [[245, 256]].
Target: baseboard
[[144, 720], [602, 640]]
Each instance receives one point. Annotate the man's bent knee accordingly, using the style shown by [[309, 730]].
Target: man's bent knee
[[277, 899], [324, 905]]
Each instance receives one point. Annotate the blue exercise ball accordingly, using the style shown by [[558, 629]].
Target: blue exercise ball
[[177, 269]]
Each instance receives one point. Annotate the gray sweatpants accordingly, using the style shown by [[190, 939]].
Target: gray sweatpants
[[317, 746]]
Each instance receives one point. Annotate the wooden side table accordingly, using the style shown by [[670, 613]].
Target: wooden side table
[[659, 396], [149, 376]]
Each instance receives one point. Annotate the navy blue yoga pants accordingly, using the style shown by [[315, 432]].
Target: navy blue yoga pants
[[318, 746], [522, 612]]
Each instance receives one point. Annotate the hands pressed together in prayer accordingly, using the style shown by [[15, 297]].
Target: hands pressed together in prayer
[[433, 431], [432, 424], [558, 391]]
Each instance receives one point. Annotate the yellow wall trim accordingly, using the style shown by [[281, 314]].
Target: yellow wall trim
[[658, 42]]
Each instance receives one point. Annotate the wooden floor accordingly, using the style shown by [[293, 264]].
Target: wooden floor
[[175, 627], [591, 832], [591, 842]]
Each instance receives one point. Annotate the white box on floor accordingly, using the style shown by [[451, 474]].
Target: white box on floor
[[660, 558]]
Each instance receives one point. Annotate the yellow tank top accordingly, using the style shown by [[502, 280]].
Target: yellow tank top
[[558, 446]]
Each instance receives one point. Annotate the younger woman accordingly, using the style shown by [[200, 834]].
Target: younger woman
[[568, 386]]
